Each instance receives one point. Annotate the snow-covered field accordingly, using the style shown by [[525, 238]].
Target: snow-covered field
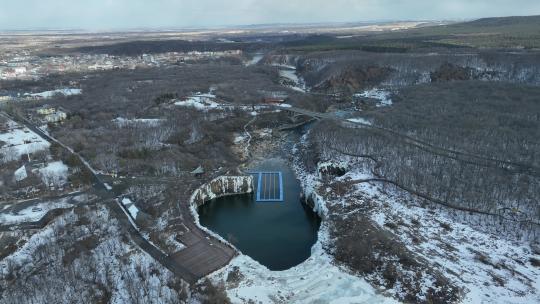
[[316, 280], [109, 267], [19, 141], [55, 173], [33, 213], [382, 96], [360, 120], [50, 94], [490, 268], [174, 244], [203, 102], [124, 122]]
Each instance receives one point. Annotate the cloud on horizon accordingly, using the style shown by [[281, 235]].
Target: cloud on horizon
[[123, 14]]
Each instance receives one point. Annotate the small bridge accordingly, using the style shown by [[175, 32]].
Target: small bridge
[[269, 186]]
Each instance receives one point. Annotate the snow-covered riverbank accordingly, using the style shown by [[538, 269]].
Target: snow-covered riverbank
[[486, 267], [316, 280]]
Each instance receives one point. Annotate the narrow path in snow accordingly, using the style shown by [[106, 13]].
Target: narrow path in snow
[[246, 148]]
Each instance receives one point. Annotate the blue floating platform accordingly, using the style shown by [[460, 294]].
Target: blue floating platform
[[269, 186]]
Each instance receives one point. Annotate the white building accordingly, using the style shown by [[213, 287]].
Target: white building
[[57, 116]]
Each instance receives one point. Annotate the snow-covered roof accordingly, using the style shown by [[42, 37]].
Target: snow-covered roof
[[199, 170], [20, 174]]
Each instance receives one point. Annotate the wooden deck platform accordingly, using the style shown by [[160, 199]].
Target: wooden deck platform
[[203, 253]]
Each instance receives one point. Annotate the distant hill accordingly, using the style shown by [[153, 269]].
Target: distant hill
[[504, 22], [500, 32]]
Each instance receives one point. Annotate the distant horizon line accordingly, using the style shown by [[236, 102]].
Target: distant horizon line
[[135, 29], [234, 26], [242, 26]]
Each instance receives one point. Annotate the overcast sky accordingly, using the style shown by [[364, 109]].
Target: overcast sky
[[125, 14]]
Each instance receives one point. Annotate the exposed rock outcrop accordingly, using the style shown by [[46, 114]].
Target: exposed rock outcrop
[[353, 79], [222, 186], [451, 72], [332, 168]]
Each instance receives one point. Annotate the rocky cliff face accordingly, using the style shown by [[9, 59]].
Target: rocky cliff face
[[353, 79], [332, 168], [354, 70], [450, 72], [222, 186]]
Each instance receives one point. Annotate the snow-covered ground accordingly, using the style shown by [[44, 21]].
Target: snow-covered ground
[[19, 140], [382, 96], [127, 274], [316, 280], [55, 173], [33, 213], [124, 122], [203, 102], [360, 120], [174, 244], [49, 94], [256, 59], [207, 102], [289, 73], [490, 268], [240, 138]]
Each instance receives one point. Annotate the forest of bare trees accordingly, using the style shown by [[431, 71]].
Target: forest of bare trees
[[124, 121], [495, 122], [83, 257]]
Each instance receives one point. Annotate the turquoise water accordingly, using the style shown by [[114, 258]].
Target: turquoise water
[[278, 235]]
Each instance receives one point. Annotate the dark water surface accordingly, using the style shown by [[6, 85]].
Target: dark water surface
[[278, 235]]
